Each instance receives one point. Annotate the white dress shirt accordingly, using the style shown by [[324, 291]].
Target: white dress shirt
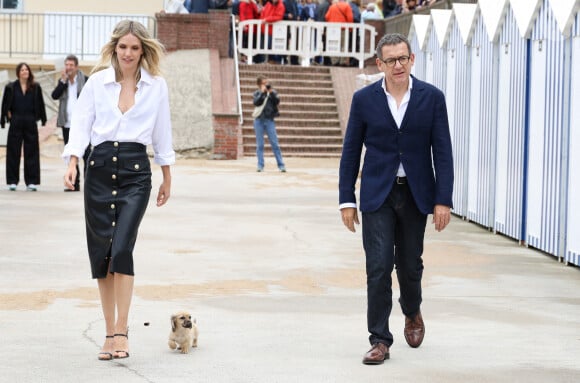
[[71, 101], [97, 117], [398, 114]]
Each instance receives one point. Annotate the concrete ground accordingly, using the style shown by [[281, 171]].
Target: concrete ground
[[277, 285]]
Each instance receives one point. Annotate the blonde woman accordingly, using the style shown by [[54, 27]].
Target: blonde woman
[[123, 107]]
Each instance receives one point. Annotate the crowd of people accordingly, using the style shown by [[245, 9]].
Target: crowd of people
[[318, 10], [333, 11]]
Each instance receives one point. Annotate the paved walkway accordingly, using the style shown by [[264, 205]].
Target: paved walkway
[[277, 286]]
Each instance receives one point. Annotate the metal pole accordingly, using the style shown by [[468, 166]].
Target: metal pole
[[10, 36], [83, 37], [236, 64]]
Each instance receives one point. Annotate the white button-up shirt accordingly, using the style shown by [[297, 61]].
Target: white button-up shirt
[[399, 112], [71, 101], [97, 117]]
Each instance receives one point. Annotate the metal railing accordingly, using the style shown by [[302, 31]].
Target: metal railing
[[307, 39], [237, 72], [53, 35]]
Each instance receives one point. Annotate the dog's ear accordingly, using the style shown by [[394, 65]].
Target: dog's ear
[[194, 320], [173, 322]]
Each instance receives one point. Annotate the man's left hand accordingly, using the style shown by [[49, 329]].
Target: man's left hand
[[441, 216]]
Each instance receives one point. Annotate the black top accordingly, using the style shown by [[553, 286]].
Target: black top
[[22, 104], [271, 108], [38, 111]]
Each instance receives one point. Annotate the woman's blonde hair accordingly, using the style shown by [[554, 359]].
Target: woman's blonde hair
[[152, 49]]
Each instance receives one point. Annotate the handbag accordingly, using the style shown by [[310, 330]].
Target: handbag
[[258, 109]]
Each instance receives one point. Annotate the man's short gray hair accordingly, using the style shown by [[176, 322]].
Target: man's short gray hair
[[391, 39]]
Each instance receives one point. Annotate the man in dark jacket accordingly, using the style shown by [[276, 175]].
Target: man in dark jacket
[[356, 15], [291, 14], [264, 122], [321, 16], [67, 91]]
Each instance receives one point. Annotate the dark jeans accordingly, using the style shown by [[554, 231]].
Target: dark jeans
[[23, 132], [393, 235]]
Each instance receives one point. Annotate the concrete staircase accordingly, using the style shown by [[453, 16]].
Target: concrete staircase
[[309, 124]]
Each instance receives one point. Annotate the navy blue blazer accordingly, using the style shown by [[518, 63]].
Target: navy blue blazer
[[423, 145]]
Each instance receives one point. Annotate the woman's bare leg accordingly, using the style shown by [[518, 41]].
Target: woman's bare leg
[[107, 293], [123, 295]]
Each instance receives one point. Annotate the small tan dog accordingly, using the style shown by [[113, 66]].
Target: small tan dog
[[183, 333]]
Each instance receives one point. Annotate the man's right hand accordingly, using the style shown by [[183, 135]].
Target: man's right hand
[[349, 217]]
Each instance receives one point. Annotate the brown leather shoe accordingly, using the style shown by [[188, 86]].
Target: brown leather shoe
[[377, 354], [414, 330]]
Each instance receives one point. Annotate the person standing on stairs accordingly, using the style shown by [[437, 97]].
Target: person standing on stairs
[[266, 102]]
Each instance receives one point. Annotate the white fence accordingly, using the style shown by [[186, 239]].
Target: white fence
[[307, 40], [509, 71], [55, 35]]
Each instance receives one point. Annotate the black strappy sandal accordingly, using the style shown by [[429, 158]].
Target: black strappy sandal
[[109, 356], [126, 352]]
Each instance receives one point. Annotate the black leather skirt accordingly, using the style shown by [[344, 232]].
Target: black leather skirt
[[117, 189]]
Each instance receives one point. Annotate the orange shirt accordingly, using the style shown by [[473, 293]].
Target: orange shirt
[[339, 13]]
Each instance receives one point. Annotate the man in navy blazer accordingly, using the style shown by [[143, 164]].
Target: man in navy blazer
[[407, 174]]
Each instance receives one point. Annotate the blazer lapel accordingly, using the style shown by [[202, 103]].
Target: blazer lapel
[[382, 99], [416, 93]]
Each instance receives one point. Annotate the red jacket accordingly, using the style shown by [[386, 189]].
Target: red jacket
[[272, 13], [339, 13], [248, 11]]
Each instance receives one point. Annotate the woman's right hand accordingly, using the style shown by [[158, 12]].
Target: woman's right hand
[[71, 173]]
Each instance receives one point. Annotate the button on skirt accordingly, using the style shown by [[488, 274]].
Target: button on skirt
[[116, 191]]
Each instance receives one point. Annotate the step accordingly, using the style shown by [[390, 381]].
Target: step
[[304, 105], [297, 114], [306, 111], [291, 88], [296, 106], [300, 76], [270, 68], [297, 148], [300, 131], [288, 83], [291, 139], [298, 123], [297, 98], [297, 155]]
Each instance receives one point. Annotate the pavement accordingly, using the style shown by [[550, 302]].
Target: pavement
[[277, 286]]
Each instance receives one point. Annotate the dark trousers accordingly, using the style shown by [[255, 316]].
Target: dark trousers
[[23, 130], [393, 235]]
